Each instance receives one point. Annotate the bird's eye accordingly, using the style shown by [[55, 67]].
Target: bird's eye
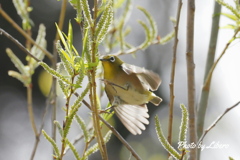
[[112, 59]]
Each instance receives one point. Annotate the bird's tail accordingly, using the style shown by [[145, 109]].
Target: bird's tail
[[155, 100]]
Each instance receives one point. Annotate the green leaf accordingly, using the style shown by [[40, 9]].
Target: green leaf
[[86, 12], [65, 59], [184, 124], [24, 79], [55, 73], [22, 10], [167, 38], [104, 22], [153, 26], [17, 62], [164, 141], [118, 3], [35, 51], [230, 16], [60, 130], [55, 148], [147, 41], [74, 150], [83, 127], [70, 37], [76, 5], [230, 158], [229, 26], [69, 120], [66, 46], [228, 6], [95, 147], [80, 98]]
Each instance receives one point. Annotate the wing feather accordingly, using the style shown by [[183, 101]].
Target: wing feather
[[150, 79], [133, 117]]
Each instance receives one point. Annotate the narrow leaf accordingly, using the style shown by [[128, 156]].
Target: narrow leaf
[[164, 141], [70, 37], [147, 41], [104, 22], [184, 124], [152, 23], [60, 130], [86, 12], [22, 11], [55, 148], [54, 73], [83, 127], [74, 150], [230, 16], [95, 147], [17, 62], [167, 38], [69, 119], [63, 40], [25, 80], [233, 10], [41, 41], [64, 58], [80, 98]]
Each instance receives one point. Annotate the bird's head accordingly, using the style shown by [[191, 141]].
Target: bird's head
[[111, 61]]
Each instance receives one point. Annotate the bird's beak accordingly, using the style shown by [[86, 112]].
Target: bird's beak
[[101, 59]]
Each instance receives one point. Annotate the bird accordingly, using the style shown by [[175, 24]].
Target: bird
[[129, 88]]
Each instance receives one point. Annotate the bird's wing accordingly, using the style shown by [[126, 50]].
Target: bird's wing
[[133, 117], [149, 78]]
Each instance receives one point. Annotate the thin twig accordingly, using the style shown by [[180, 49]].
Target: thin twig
[[18, 44], [209, 77], [21, 31], [30, 109], [40, 130], [115, 132], [191, 76], [53, 96], [171, 85], [216, 121]]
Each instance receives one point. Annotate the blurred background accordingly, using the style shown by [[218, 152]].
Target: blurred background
[[16, 135]]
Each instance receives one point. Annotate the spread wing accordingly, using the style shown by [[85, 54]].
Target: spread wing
[[150, 79], [133, 117]]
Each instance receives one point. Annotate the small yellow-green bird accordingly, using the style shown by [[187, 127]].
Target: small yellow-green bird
[[128, 89]]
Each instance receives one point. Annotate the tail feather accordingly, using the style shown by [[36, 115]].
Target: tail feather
[[156, 100]]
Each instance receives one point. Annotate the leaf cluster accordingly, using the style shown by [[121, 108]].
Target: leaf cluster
[[26, 71], [234, 16]]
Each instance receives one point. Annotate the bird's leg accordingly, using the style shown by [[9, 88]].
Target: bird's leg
[[105, 110]]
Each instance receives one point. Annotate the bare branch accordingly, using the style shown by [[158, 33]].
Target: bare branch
[[216, 121], [171, 85], [191, 76]]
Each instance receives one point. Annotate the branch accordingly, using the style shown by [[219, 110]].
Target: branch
[[191, 76], [202, 107], [21, 31], [18, 44], [209, 76], [171, 85], [115, 132], [216, 121]]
